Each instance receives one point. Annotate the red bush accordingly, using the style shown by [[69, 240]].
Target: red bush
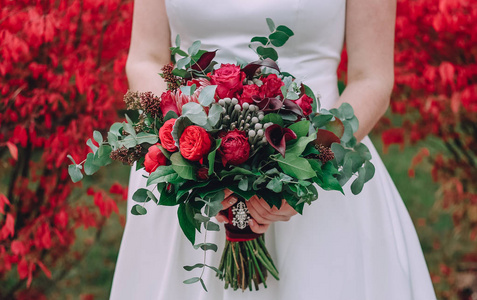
[[61, 66]]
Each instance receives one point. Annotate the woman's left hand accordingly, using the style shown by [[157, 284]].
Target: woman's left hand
[[263, 215]]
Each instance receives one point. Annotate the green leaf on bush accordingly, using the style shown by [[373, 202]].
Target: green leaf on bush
[[358, 183], [181, 63], [182, 167], [115, 128], [138, 210], [195, 113], [190, 268], [194, 48], [102, 156], [215, 113], [295, 166], [275, 185], [144, 137], [75, 173], [321, 120], [128, 142], [113, 140]]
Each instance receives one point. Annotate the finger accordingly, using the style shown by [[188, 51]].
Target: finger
[[263, 211], [229, 201], [258, 213], [227, 193], [257, 228], [221, 218]]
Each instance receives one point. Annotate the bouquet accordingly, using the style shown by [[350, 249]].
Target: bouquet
[[248, 127]]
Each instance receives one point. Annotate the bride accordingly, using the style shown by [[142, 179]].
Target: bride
[[360, 247]]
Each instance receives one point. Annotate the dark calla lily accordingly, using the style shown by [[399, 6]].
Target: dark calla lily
[[326, 138], [278, 136], [252, 67], [204, 61], [292, 106], [267, 104]]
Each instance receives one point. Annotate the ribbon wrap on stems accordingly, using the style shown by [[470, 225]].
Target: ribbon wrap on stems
[[245, 258]]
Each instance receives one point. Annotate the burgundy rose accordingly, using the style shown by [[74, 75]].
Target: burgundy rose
[[168, 103], [249, 91], [305, 104], [228, 79], [203, 173], [271, 86], [194, 143], [278, 136], [165, 135], [234, 148], [154, 158]]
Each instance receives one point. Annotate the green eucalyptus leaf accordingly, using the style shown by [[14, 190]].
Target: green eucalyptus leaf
[[89, 167], [129, 129], [170, 115], [71, 158], [98, 137], [161, 174], [346, 110], [182, 167], [285, 30], [203, 284], [215, 113], [138, 210], [358, 183], [152, 197], [190, 268], [243, 184], [201, 218], [260, 39], [75, 173], [102, 156], [206, 96], [267, 52], [191, 280], [275, 185], [141, 196], [92, 146], [128, 142], [178, 40], [116, 129], [144, 137], [321, 120], [271, 24], [113, 140], [195, 113], [211, 226], [181, 63], [194, 48], [370, 170], [179, 126], [278, 38]]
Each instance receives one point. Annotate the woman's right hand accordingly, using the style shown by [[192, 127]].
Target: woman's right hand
[[229, 200]]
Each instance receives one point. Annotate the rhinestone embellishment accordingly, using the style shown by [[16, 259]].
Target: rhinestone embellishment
[[241, 216]]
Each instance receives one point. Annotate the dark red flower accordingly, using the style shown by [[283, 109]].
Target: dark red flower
[[166, 137], [277, 137], [249, 91], [194, 143], [234, 149], [229, 80], [154, 158], [271, 86], [305, 104]]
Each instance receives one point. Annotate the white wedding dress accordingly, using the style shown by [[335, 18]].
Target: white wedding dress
[[349, 247]]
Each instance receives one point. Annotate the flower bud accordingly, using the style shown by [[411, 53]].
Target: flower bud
[[252, 133]]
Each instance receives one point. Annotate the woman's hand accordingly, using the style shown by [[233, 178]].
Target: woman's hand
[[262, 214]]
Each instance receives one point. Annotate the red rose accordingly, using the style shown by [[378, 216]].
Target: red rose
[[234, 148], [228, 79], [271, 86], [168, 103], [166, 137], [305, 104], [154, 158], [248, 92], [194, 143]]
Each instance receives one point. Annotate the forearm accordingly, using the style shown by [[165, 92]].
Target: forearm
[[143, 76], [369, 99]]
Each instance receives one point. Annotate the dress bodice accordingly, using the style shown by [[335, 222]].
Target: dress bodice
[[312, 54]]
